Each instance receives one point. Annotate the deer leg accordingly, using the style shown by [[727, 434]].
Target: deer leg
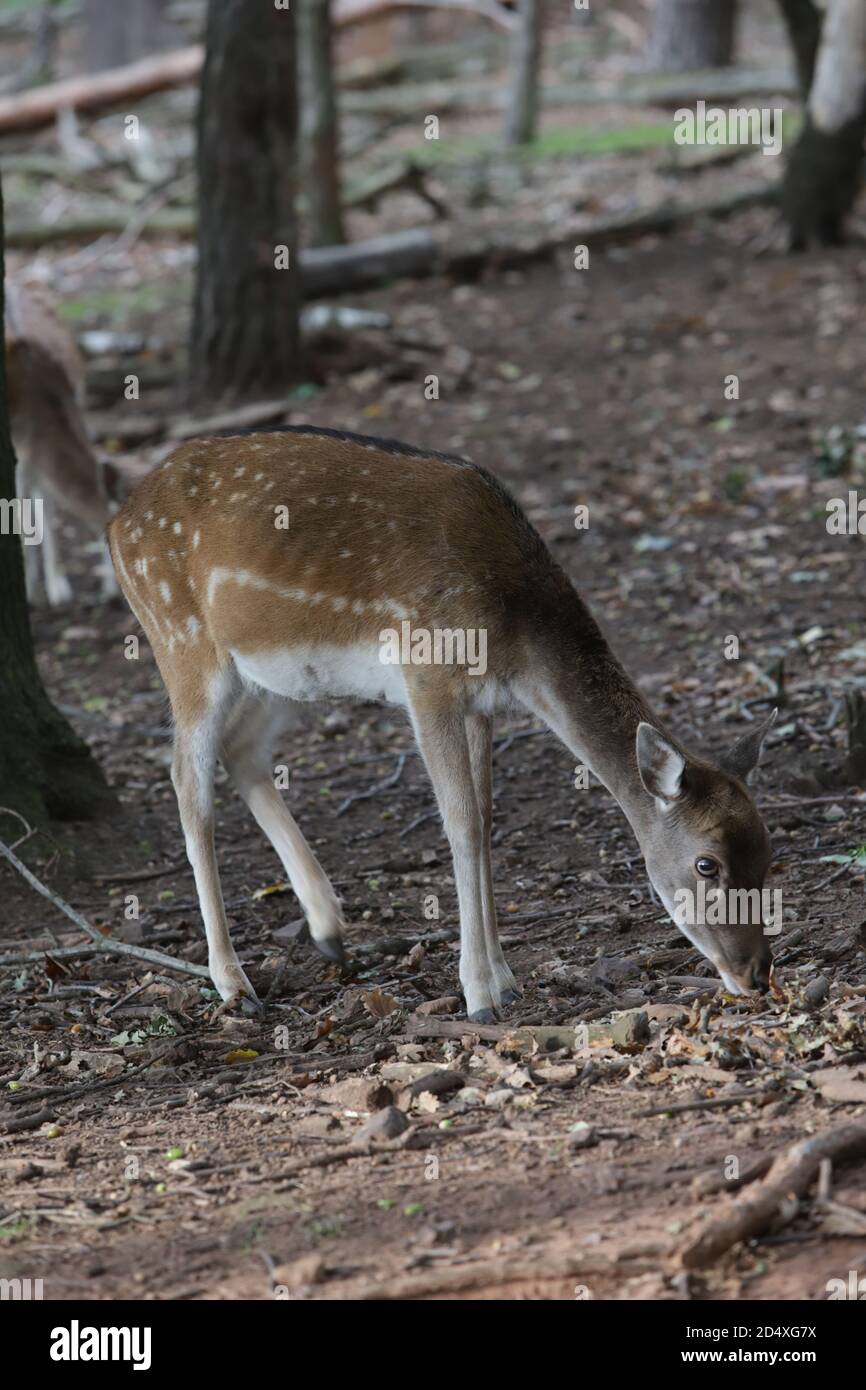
[[57, 587], [247, 753], [195, 750], [480, 741], [444, 747], [33, 554]]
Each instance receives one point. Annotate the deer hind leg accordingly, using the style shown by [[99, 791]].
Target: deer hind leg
[[247, 752], [57, 587], [35, 563], [444, 746], [479, 736], [196, 742]]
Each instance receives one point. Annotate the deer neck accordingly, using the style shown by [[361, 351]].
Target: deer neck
[[583, 694]]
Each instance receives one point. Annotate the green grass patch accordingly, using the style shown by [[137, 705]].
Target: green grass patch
[[551, 144]]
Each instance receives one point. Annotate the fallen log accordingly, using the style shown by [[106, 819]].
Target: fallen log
[[177, 222], [341, 269], [40, 106], [416, 252], [350, 12], [789, 1178]]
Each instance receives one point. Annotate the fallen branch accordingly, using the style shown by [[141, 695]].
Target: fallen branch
[[99, 943], [395, 178], [496, 1273], [789, 1178], [708, 1183], [76, 1089], [177, 222], [19, 1124], [341, 1154], [349, 12], [41, 105], [715, 1103]]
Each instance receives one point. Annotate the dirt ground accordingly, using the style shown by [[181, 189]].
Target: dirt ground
[[180, 1153]]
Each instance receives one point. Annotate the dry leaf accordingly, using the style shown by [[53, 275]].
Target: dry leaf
[[378, 1004]]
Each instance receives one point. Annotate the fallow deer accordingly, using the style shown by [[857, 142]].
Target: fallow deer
[[56, 461], [246, 617]]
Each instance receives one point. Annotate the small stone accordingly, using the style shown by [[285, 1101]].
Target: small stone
[[437, 1083], [631, 1031], [385, 1124], [316, 1126], [362, 1093], [610, 970], [468, 1099], [582, 1136], [816, 991]]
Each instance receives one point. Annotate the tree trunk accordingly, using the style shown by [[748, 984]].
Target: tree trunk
[[118, 32], [803, 22], [822, 178], [46, 772], [320, 178], [526, 61], [245, 340], [687, 35]]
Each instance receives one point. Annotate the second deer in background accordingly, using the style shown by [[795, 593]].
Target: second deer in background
[[56, 461]]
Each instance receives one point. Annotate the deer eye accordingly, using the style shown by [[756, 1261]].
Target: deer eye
[[706, 867]]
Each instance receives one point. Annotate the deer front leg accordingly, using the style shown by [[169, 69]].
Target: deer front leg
[[445, 750], [479, 735]]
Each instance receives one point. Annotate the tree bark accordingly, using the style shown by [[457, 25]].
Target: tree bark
[[320, 177], [687, 35], [526, 60], [119, 31], [803, 22], [46, 771], [245, 340], [822, 177]]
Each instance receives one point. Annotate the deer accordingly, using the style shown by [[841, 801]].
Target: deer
[[56, 461], [271, 568]]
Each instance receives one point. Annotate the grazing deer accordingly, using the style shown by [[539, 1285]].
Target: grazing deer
[[56, 462], [246, 616]]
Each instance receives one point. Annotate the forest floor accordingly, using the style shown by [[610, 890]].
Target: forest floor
[[180, 1153]]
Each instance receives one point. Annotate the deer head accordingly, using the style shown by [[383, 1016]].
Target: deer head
[[707, 851]]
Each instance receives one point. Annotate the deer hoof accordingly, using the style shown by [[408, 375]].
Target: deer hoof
[[483, 1016], [509, 997], [332, 948]]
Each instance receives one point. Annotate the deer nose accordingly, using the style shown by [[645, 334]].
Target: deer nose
[[761, 976]]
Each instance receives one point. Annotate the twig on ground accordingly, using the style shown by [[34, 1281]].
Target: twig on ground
[[788, 1179], [99, 942], [374, 791], [716, 1103]]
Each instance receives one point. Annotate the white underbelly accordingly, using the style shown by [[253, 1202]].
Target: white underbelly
[[324, 672]]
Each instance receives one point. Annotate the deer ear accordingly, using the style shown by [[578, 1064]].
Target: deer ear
[[743, 757], [660, 765]]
